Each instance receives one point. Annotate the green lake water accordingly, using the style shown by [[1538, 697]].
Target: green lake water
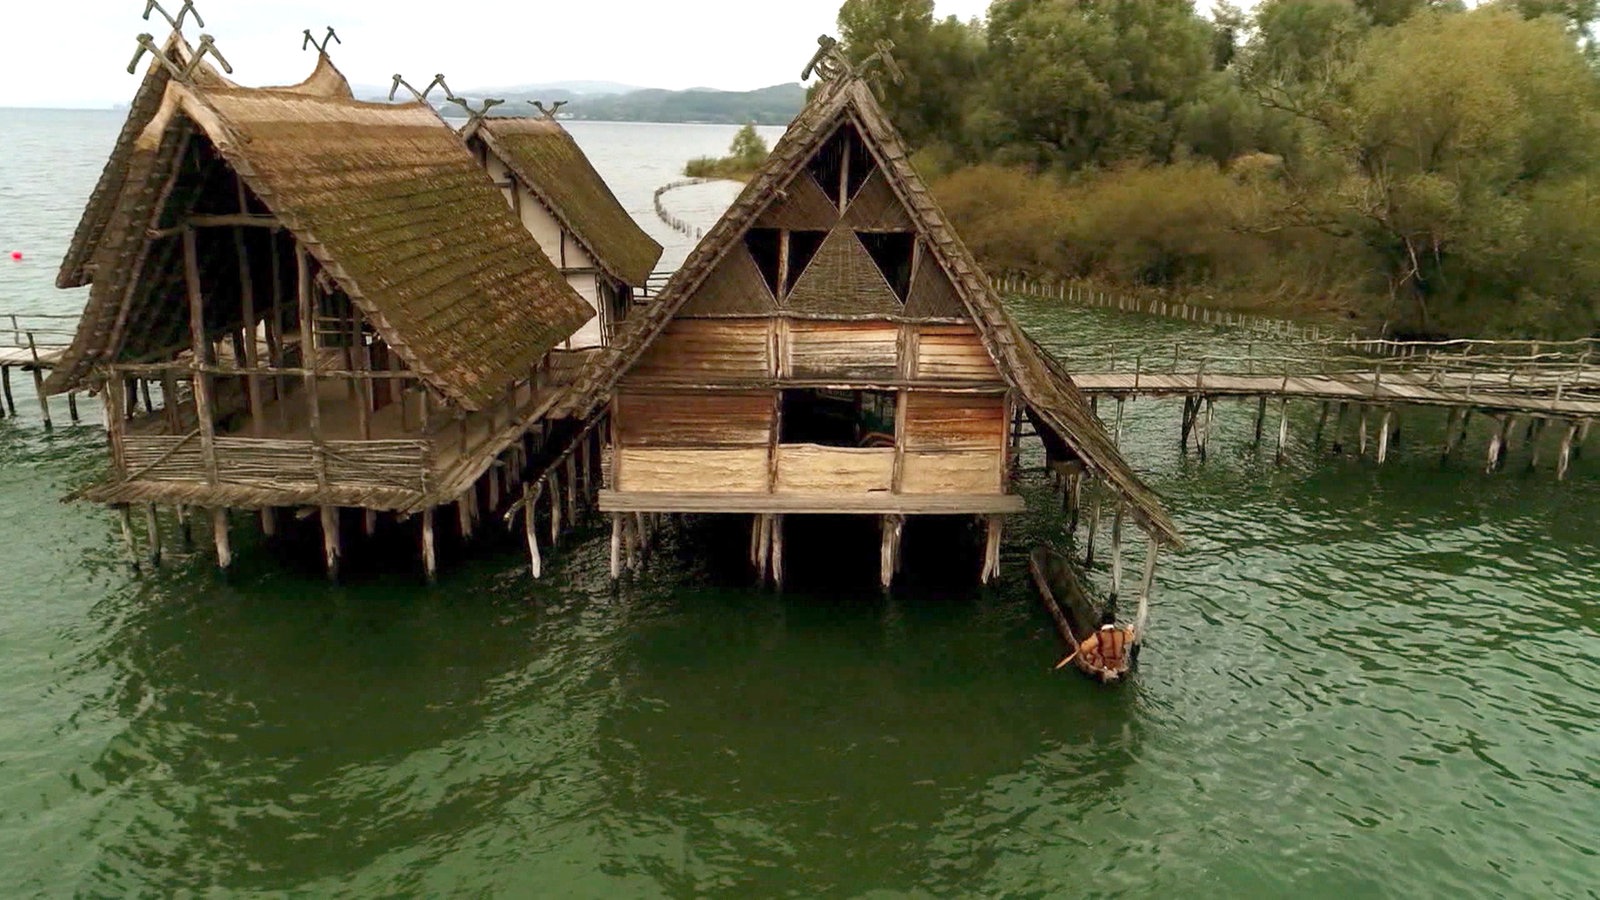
[[1359, 681]]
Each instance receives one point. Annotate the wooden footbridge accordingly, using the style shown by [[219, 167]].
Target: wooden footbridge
[[33, 343], [1543, 384]]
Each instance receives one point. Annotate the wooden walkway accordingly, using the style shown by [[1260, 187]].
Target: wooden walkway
[[1540, 383], [34, 343]]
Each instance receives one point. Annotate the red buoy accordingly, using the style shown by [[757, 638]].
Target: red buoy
[[16, 256]]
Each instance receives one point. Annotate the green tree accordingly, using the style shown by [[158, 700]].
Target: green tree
[[748, 150], [939, 60], [1092, 82]]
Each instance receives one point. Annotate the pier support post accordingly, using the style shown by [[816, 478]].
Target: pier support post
[[72, 407], [44, 399], [430, 559], [1283, 429], [1564, 458], [1191, 408], [1116, 432], [1383, 436], [331, 548], [991, 549], [530, 530], [764, 555], [125, 516], [1094, 528], [1322, 419], [219, 536], [1338, 426], [777, 551], [1116, 553], [555, 507], [1535, 432], [184, 531], [616, 546], [1361, 440], [892, 527], [269, 521], [5, 381], [1497, 444], [152, 527], [1583, 438], [1261, 417]]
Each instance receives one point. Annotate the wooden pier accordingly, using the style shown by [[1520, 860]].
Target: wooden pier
[[1539, 384], [33, 343]]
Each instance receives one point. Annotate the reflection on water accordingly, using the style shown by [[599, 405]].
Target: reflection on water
[[1359, 681]]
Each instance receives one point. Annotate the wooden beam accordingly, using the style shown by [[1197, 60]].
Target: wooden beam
[[200, 347], [152, 527], [247, 299], [308, 359], [219, 534], [430, 560], [874, 503], [332, 550]]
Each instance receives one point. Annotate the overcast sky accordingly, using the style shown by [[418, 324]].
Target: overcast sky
[[75, 52]]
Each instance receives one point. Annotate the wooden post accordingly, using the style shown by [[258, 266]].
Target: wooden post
[[892, 527], [309, 362], [5, 379], [555, 507], [464, 513], [1094, 528], [152, 527], [1146, 585], [755, 541], [572, 487], [247, 298], [1450, 424], [1261, 417], [1583, 438], [1383, 434], [1283, 429], [530, 529], [1116, 434], [1338, 427], [125, 515], [38, 390], [72, 407], [331, 550], [777, 551], [1322, 420], [1564, 457], [269, 521], [764, 554], [1205, 428], [1361, 444], [991, 549], [219, 534], [1116, 552], [369, 521], [201, 349], [183, 528], [1496, 443], [430, 561]]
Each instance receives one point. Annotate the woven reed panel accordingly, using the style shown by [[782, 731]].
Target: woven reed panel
[[735, 287], [694, 418], [692, 471], [849, 351], [955, 421], [932, 295], [958, 472], [802, 205], [876, 208], [843, 280], [808, 468], [954, 353], [707, 351]]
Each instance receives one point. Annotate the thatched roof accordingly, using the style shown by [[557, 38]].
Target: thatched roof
[[545, 158], [385, 197], [1054, 402]]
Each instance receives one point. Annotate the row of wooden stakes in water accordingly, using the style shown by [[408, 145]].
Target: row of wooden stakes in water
[[676, 224], [1084, 294], [1199, 411]]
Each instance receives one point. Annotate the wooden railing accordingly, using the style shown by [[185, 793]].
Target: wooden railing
[[386, 464]]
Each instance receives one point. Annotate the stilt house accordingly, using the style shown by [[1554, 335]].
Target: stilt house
[[567, 207], [832, 347], [299, 301]]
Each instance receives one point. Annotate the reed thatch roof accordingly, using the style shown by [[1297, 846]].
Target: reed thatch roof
[[544, 157], [386, 198], [1053, 401]]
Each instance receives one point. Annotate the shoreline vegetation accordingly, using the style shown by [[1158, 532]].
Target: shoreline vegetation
[[745, 155], [1416, 167]]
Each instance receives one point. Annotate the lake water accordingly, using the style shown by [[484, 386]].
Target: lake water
[[1360, 681]]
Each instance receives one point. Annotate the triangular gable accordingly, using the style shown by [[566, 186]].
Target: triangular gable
[[842, 279], [1041, 384], [933, 296], [736, 287], [801, 206], [876, 208]]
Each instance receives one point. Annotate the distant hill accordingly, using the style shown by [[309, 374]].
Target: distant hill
[[776, 105]]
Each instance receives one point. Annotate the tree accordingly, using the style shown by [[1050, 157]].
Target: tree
[[1092, 82], [748, 150], [939, 60]]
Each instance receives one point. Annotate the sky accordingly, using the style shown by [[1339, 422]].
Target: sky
[[76, 51]]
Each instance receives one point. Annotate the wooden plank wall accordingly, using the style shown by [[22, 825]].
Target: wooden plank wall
[[707, 351], [842, 351], [807, 468], [953, 353]]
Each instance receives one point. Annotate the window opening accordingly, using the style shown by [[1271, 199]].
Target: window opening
[[892, 251], [837, 418]]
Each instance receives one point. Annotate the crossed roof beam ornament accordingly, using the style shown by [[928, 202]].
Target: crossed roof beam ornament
[[830, 63], [183, 71], [549, 112], [473, 114], [332, 37]]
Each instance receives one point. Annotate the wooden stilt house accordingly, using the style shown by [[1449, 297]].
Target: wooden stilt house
[[568, 208], [832, 347], [304, 303]]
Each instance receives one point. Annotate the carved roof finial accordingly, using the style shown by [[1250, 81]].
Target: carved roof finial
[[422, 95], [831, 64], [550, 111], [828, 62], [474, 115], [332, 37], [183, 71], [153, 6]]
